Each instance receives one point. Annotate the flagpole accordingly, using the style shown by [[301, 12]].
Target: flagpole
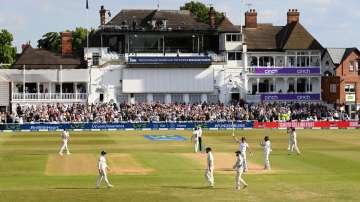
[[24, 82], [87, 48]]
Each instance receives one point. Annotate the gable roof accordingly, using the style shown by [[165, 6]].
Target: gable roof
[[43, 59], [264, 37], [293, 36], [226, 25], [297, 37], [338, 55]]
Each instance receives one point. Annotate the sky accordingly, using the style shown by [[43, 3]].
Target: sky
[[332, 22]]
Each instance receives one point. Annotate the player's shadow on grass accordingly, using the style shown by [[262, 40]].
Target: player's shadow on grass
[[187, 187]]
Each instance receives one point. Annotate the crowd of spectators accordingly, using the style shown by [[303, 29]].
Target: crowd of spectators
[[110, 112]]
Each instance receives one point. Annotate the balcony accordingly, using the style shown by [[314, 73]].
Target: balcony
[[50, 97], [283, 97], [298, 71]]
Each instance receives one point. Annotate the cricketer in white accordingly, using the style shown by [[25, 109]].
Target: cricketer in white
[[195, 138], [209, 171], [239, 168], [102, 168], [243, 147], [65, 137], [267, 149], [293, 141]]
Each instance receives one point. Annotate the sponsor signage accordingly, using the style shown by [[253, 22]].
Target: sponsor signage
[[199, 60], [126, 125], [290, 97], [308, 124], [287, 70], [350, 98]]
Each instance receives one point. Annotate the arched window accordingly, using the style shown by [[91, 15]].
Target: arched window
[[328, 73]]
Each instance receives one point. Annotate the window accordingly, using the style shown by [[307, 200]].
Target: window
[[350, 88], [212, 99], [351, 66], [177, 98], [140, 98], [333, 88], [253, 61], [124, 98], [195, 98], [266, 61], [159, 98], [315, 61], [327, 64], [279, 61], [291, 60], [233, 37], [101, 97], [234, 56], [96, 59], [303, 59], [228, 37], [231, 56]]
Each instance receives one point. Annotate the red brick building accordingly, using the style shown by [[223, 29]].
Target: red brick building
[[341, 78]]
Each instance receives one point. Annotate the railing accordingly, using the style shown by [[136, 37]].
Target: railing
[[283, 70], [48, 96]]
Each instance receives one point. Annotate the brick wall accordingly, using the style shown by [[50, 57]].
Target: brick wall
[[346, 76], [326, 94]]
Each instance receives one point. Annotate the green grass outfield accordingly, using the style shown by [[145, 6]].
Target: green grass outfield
[[328, 170]]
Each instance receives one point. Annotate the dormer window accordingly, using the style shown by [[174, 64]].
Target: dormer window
[[233, 37]]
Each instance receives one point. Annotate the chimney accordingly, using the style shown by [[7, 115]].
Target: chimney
[[102, 15], [251, 19], [212, 18], [25, 46], [293, 15], [66, 43]]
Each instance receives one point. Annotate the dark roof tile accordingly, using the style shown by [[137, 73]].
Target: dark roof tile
[[43, 59]]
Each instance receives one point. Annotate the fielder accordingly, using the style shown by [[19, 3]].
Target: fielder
[[209, 171], [243, 147], [199, 131], [65, 137], [239, 168], [195, 138], [293, 142], [267, 149], [102, 168]]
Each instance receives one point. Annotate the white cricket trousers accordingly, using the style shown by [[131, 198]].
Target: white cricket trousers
[[238, 179], [64, 147], [267, 160], [293, 145], [244, 162], [102, 175], [209, 175], [196, 146]]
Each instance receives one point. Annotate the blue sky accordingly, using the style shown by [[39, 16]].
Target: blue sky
[[332, 22]]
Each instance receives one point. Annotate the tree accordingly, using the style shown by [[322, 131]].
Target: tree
[[79, 39], [50, 41], [7, 51], [201, 11]]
